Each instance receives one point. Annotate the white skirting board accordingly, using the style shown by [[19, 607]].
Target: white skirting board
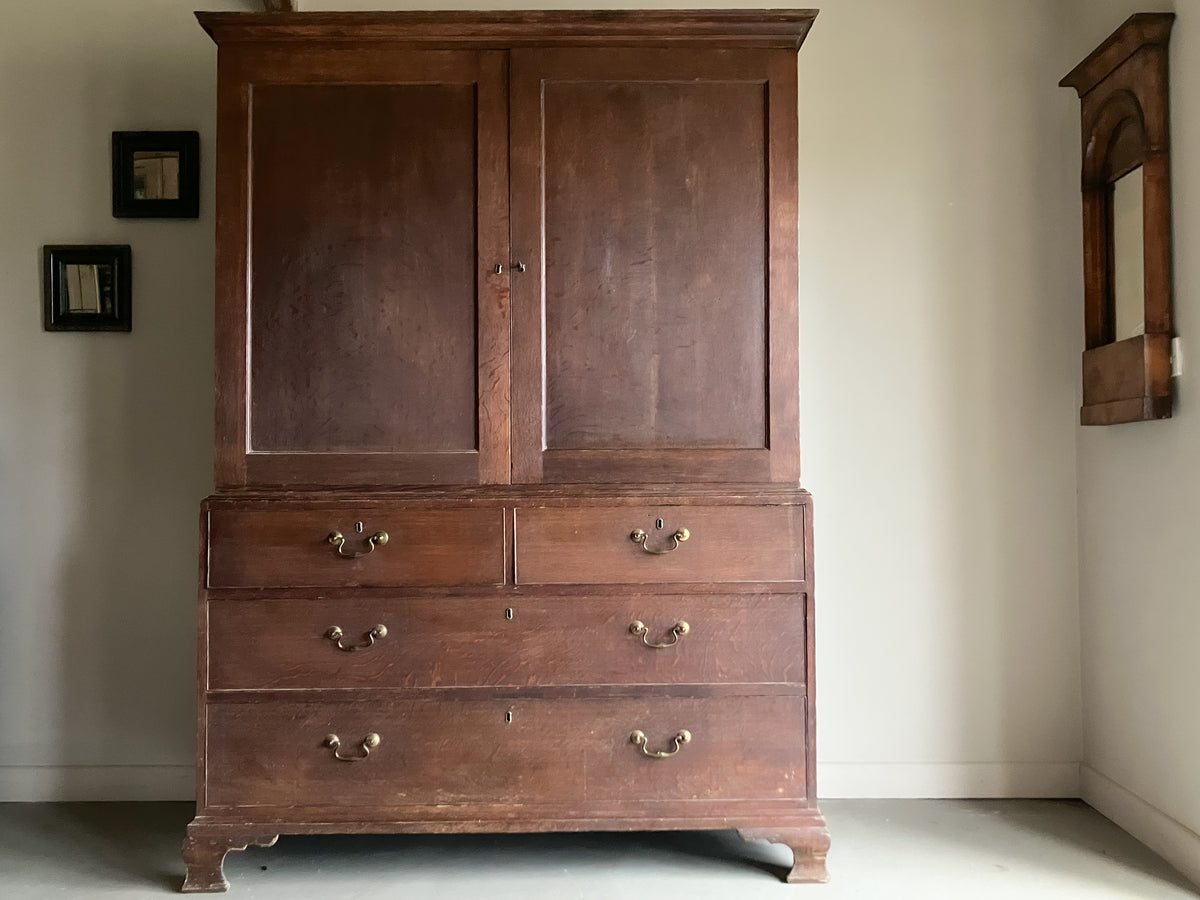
[[861, 781], [79, 783], [1169, 838]]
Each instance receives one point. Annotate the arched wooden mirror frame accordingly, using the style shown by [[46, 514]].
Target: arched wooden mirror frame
[[1122, 88]]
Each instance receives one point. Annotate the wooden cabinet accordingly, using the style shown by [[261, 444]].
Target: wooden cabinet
[[507, 431]]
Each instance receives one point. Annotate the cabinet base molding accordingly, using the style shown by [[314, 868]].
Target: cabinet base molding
[[204, 851], [210, 838]]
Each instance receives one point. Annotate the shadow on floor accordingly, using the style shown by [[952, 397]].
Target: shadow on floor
[[425, 855]]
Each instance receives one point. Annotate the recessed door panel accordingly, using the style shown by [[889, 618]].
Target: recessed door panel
[[654, 324], [362, 335], [655, 265]]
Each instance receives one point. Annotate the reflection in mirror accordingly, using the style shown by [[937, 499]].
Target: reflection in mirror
[[156, 175], [88, 289], [1129, 270]]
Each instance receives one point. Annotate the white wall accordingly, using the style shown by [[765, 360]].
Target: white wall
[[1139, 530], [105, 439], [938, 399], [940, 337]]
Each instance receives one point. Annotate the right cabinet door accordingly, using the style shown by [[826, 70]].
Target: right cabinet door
[[654, 237]]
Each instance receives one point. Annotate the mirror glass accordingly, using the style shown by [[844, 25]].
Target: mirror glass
[[88, 289], [156, 175], [1128, 259]]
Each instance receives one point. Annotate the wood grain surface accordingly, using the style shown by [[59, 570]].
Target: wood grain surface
[[505, 641], [253, 548], [654, 191], [562, 753], [592, 545]]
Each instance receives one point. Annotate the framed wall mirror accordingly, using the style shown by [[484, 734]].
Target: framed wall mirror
[[156, 174], [1123, 91], [87, 287]]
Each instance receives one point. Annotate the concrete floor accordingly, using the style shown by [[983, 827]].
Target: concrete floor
[[882, 849]]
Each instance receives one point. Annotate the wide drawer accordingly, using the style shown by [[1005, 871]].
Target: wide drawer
[[568, 753], [250, 548], [515, 641], [595, 545]]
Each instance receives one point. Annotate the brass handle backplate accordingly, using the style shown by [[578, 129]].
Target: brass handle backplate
[[369, 743], [336, 634], [638, 738], [678, 630], [378, 539], [639, 537]]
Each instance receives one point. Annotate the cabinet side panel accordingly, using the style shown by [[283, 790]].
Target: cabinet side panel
[[363, 268]]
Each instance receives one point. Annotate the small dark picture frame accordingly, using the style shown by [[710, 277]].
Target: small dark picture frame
[[87, 287], [156, 174]]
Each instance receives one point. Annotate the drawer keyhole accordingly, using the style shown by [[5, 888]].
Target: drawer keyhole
[[658, 523], [358, 527], [508, 717], [508, 613]]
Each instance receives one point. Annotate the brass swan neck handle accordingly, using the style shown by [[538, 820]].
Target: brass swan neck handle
[[369, 743], [638, 738], [638, 536], [678, 630], [336, 634], [378, 539]]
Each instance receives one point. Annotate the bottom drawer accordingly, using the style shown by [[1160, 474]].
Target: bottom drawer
[[566, 753]]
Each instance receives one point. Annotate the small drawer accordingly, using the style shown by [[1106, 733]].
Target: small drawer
[[565, 753], [674, 544], [249, 548], [505, 642]]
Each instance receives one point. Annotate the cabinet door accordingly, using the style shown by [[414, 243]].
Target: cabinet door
[[654, 207], [362, 333]]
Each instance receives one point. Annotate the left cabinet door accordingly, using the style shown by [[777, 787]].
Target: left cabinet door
[[362, 211]]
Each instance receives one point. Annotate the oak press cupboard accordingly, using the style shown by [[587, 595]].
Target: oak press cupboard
[[508, 533]]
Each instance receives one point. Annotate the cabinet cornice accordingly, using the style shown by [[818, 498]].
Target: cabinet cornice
[[784, 29]]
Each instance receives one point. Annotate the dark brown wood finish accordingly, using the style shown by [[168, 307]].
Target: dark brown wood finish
[[353, 305], [635, 233], [205, 856], [291, 548], [614, 222], [1123, 89], [594, 546], [563, 755], [371, 378], [502, 640], [809, 844], [376, 346], [759, 28]]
